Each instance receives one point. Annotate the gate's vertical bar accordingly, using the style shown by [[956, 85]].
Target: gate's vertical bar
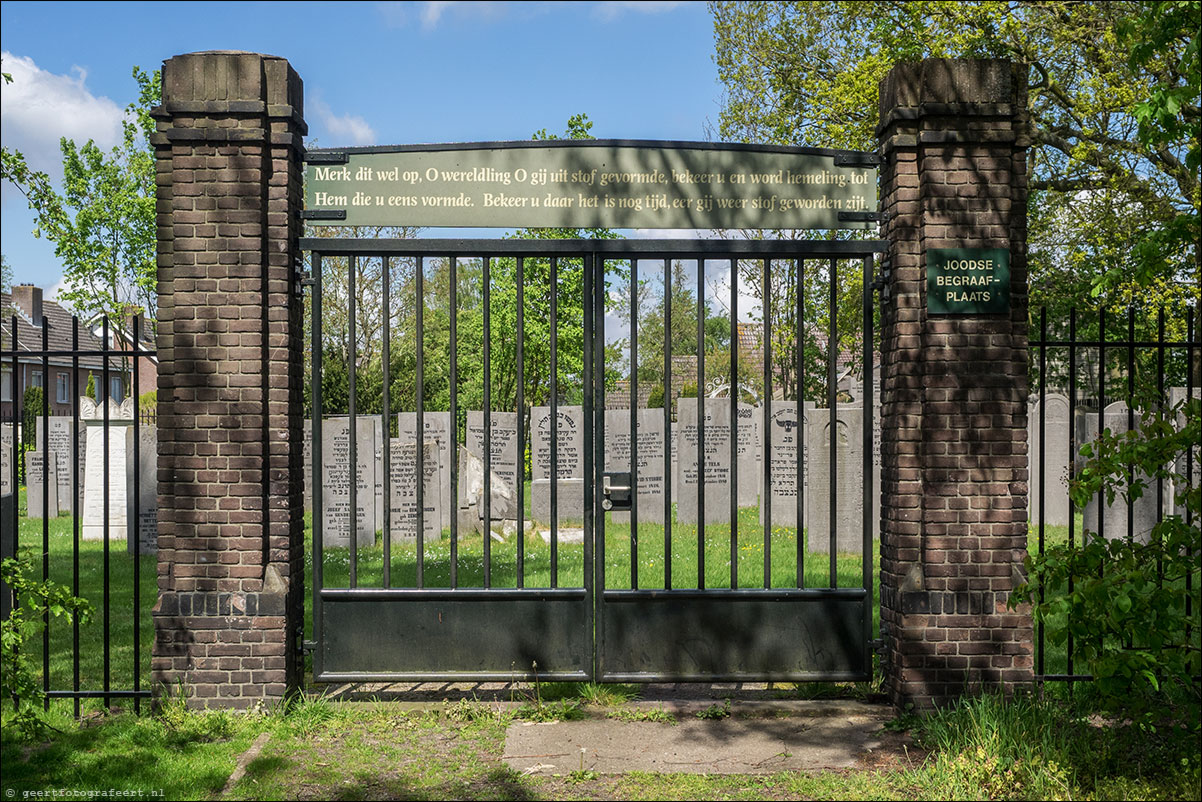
[[386, 279], [46, 506], [669, 485], [108, 389], [799, 396], [137, 324], [832, 401], [317, 413], [1043, 379], [521, 409], [17, 403], [593, 465], [76, 512], [734, 423], [766, 439], [1130, 415], [454, 436], [353, 428], [554, 422], [597, 292], [420, 470], [867, 554], [1190, 347], [700, 423], [488, 427], [634, 426], [634, 423], [1101, 533], [1160, 406], [1072, 456]]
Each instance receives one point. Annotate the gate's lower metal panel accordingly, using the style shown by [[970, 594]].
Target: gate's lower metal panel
[[682, 636], [398, 635]]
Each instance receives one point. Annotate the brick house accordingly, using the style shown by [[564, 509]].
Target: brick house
[[26, 305]]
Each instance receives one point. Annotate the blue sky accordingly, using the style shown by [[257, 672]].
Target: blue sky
[[374, 73]]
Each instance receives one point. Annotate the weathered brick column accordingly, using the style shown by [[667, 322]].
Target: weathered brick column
[[228, 151], [953, 135]]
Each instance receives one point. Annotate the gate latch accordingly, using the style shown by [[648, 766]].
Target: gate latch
[[615, 491]]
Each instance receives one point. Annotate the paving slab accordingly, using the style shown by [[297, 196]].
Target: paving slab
[[761, 744]]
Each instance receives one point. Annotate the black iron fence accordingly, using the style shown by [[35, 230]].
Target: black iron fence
[[84, 512], [1096, 371]]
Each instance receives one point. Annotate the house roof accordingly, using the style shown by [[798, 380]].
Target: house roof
[[58, 336]]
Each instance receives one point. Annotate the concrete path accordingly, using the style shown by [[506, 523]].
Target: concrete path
[[754, 739]]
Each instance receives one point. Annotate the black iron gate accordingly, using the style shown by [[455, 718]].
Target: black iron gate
[[593, 585]]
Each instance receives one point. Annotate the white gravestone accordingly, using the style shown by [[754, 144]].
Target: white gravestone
[[377, 442], [505, 458], [41, 491], [849, 479], [307, 458], [717, 490], [60, 446], [569, 461], [438, 429], [120, 430], [6, 459], [336, 485], [786, 434], [1052, 482], [650, 481], [148, 500], [403, 491], [1114, 516], [750, 470], [1184, 466]]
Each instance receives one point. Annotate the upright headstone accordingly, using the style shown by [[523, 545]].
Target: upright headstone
[[569, 462], [119, 430], [41, 486], [750, 472], [848, 478], [59, 443], [505, 458], [376, 427], [403, 491], [336, 486], [717, 490], [438, 429], [650, 485], [147, 513], [1188, 470], [307, 458], [786, 434], [6, 458], [1048, 482], [1114, 519]]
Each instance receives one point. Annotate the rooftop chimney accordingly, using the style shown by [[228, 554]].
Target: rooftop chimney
[[28, 299]]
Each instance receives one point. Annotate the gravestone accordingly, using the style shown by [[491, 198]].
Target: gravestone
[[377, 442], [60, 446], [41, 490], [307, 457], [438, 429], [569, 462], [147, 513], [336, 487], [1114, 516], [1053, 490], [505, 458], [717, 490], [120, 430], [650, 482], [6, 459], [786, 433], [750, 472], [849, 479], [403, 491], [1188, 472]]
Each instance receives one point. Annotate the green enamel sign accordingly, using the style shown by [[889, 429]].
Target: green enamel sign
[[587, 184], [968, 281]]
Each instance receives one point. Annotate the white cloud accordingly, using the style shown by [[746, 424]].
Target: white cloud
[[39, 108], [613, 9], [432, 12], [350, 127]]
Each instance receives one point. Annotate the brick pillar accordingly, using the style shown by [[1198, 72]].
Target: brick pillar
[[953, 136], [231, 581]]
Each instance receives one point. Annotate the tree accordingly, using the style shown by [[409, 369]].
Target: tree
[[103, 223], [1105, 202]]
